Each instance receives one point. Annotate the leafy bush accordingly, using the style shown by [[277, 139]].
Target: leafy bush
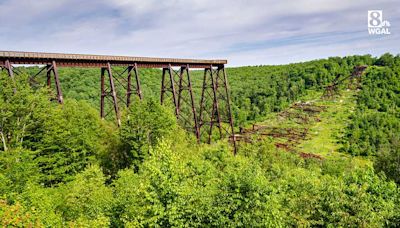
[[143, 125], [87, 199]]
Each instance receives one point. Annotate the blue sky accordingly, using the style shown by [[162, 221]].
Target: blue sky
[[246, 32]]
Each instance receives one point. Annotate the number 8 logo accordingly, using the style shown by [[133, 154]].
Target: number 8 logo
[[374, 18]]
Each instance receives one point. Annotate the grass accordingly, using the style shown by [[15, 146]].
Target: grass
[[325, 137]]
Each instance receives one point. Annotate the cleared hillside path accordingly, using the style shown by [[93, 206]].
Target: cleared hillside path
[[311, 126]]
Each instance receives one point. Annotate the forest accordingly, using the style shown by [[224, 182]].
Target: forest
[[63, 166]]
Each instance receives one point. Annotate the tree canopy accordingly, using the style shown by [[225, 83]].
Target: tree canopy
[[62, 165]]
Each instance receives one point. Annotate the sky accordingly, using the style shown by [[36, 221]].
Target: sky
[[245, 32]]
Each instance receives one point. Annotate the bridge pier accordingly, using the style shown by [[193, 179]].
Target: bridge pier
[[229, 109], [8, 67], [168, 84], [115, 79], [209, 108], [138, 90], [53, 70], [177, 84], [186, 101], [215, 108], [106, 92]]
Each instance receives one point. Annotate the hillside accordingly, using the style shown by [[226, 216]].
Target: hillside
[[303, 159]]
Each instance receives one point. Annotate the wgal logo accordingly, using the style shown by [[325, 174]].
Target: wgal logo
[[376, 24]]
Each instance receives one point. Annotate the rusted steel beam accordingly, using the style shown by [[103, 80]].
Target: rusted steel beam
[[8, 66], [112, 92], [214, 79], [138, 88], [162, 92], [104, 64], [60, 98], [175, 100], [215, 107], [48, 75], [168, 85], [51, 69], [202, 101], [196, 124], [180, 86], [81, 60], [228, 99], [129, 85], [186, 99], [102, 93], [216, 110], [209, 108]]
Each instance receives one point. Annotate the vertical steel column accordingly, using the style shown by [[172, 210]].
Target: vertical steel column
[[128, 88], [163, 85], [48, 75], [103, 93], [212, 121], [221, 111], [10, 72], [57, 81], [202, 100], [112, 93], [215, 109], [171, 78], [164, 89], [214, 116], [214, 80], [8, 66], [138, 88], [52, 69], [230, 117], [188, 87], [180, 86]]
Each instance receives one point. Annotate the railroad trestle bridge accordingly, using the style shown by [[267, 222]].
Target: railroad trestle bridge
[[213, 112]]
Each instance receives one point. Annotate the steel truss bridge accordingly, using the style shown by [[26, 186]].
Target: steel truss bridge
[[213, 112]]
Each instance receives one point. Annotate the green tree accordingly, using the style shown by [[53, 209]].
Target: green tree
[[68, 139], [87, 200], [388, 160], [145, 123], [64, 138]]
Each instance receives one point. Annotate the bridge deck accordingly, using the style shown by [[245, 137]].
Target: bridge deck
[[82, 60]]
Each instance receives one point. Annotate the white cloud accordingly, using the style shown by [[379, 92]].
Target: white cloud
[[245, 32]]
